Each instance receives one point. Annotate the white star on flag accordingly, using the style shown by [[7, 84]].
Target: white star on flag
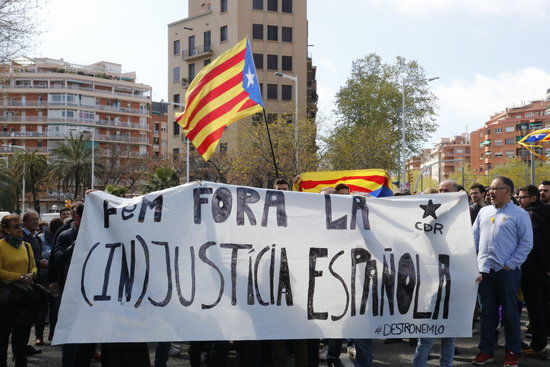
[[250, 78]]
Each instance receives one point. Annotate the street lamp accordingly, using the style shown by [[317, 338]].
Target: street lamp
[[403, 172], [23, 188], [92, 131], [186, 140], [295, 80]]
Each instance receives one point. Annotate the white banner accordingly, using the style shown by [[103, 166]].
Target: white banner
[[207, 261]]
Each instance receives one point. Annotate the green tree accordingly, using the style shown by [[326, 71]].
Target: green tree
[[8, 187], [34, 166], [369, 112], [162, 178], [71, 164]]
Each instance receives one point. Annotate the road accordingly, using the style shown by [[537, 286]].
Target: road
[[398, 354]]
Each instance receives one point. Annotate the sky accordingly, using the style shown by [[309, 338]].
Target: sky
[[488, 54]]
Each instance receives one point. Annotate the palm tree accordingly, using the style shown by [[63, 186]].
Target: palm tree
[[35, 167], [8, 187], [162, 178], [72, 164]]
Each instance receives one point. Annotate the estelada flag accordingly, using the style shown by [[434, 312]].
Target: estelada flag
[[534, 140], [372, 181], [224, 91]]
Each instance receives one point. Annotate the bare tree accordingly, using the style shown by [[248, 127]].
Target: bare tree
[[18, 27]]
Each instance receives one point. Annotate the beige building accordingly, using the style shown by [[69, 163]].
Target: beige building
[[277, 30]]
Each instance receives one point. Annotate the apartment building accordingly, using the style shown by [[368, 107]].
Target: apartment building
[[496, 141], [447, 156], [159, 122], [277, 30], [43, 101]]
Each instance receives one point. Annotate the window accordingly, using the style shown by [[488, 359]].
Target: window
[[286, 92], [223, 33], [175, 154], [286, 6], [272, 63], [258, 31], [272, 33], [497, 142], [509, 129], [272, 91], [207, 41], [498, 130], [223, 147], [498, 154], [509, 141], [176, 128], [272, 5], [176, 47], [258, 60], [191, 71], [176, 101], [262, 89], [191, 45], [258, 4], [223, 6], [206, 62], [286, 34], [286, 63], [510, 153], [272, 117], [176, 74]]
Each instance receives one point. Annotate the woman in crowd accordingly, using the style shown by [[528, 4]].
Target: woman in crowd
[[16, 265]]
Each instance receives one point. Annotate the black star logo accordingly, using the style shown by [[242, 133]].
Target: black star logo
[[430, 209]]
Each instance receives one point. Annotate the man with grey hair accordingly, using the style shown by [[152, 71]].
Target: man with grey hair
[[448, 186], [503, 236]]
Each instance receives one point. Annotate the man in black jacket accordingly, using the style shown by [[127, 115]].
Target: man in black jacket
[[536, 271]]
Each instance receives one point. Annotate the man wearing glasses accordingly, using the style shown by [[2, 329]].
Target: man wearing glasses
[[535, 280], [503, 237]]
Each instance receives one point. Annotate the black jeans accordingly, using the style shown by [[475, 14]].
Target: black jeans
[[17, 321], [537, 298]]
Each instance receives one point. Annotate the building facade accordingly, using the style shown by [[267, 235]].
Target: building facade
[[277, 30], [447, 156], [159, 123], [43, 101], [496, 142]]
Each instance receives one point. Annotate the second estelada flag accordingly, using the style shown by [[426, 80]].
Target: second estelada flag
[[223, 92]]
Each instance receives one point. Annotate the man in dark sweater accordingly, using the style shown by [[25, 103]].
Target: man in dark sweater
[[536, 271]]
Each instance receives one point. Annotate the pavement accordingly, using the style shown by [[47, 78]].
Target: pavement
[[396, 354]]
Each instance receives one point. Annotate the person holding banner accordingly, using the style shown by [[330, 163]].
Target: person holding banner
[[503, 237], [424, 345], [17, 267]]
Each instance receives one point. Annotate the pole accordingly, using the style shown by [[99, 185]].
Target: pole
[[271, 145], [186, 160], [23, 191], [296, 125], [93, 158], [533, 178], [403, 163]]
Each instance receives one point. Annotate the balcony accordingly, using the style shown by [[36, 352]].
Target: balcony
[[197, 52], [134, 93], [18, 103], [97, 123]]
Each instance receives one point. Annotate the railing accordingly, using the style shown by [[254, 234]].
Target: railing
[[74, 87], [59, 134], [197, 51], [113, 123], [12, 103]]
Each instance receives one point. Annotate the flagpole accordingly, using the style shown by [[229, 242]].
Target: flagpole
[[187, 160], [271, 144]]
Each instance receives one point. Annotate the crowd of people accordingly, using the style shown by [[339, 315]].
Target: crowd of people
[[511, 230]]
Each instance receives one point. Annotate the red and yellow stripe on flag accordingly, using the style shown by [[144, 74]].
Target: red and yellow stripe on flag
[[224, 91], [372, 181]]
